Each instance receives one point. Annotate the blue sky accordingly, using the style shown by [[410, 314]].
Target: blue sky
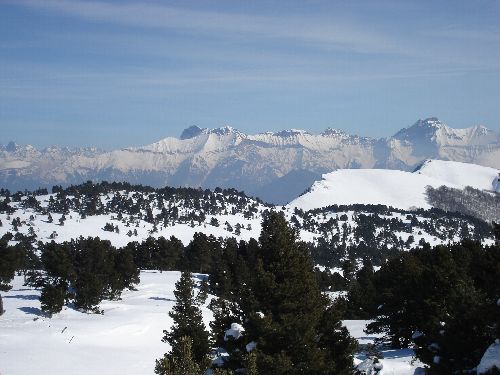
[[123, 73]]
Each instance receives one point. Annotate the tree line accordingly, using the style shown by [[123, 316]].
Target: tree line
[[270, 316], [442, 301]]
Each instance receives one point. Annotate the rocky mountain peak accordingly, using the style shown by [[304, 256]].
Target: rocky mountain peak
[[191, 132], [223, 130], [331, 132], [11, 147], [290, 133]]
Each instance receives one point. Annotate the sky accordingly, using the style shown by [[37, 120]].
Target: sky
[[114, 74]]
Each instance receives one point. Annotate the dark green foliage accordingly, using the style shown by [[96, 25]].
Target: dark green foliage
[[496, 231], [181, 362], [361, 294], [333, 246], [109, 227], [94, 266], [291, 335], [157, 253], [449, 295], [199, 253], [9, 262], [202, 295], [85, 270], [481, 204], [187, 321], [53, 297], [125, 274]]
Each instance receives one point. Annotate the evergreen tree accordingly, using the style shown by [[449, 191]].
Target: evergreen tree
[[52, 298], [444, 300], [180, 362], [188, 321], [289, 325], [8, 266], [94, 266], [362, 293], [198, 256], [125, 274]]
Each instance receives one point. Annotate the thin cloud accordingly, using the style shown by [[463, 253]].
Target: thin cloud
[[330, 32]]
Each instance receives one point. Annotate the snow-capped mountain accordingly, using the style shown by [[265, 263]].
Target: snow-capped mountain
[[287, 162]]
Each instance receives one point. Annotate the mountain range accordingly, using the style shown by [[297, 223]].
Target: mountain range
[[276, 167]]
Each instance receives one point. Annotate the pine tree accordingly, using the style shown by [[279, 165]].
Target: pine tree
[[362, 293], [8, 266], [288, 325], [181, 362], [187, 321], [448, 295], [52, 298]]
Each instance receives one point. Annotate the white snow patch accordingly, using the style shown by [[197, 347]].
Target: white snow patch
[[236, 331], [395, 361], [251, 346], [491, 358]]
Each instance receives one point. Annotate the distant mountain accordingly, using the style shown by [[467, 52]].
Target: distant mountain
[[274, 166]]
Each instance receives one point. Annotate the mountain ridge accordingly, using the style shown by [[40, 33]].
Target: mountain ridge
[[227, 157]]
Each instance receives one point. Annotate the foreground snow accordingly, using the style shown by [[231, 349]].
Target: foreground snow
[[126, 339], [394, 361], [491, 359]]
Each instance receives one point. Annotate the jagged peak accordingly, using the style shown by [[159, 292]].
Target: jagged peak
[[430, 122], [290, 133], [192, 132], [333, 132], [223, 130], [480, 130], [11, 146]]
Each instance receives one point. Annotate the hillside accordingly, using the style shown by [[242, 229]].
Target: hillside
[[123, 213], [398, 189]]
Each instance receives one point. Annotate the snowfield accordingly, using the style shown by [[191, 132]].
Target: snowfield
[[394, 188], [125, 340]]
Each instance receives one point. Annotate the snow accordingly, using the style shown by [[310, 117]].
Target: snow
[[460, 175], [250, 346], [491, 358], [394, 361], [92, 226], [228, 158], [394, 188], [126, 339], [236, 331]]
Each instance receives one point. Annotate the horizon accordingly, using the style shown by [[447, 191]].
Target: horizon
[[13, 141], [112, 74]]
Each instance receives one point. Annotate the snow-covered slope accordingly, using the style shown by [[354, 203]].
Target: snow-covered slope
[[394, 188], [256, 164], [460, 175], [125, 340]]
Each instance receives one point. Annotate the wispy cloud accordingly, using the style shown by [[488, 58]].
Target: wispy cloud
[[332, 32]]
